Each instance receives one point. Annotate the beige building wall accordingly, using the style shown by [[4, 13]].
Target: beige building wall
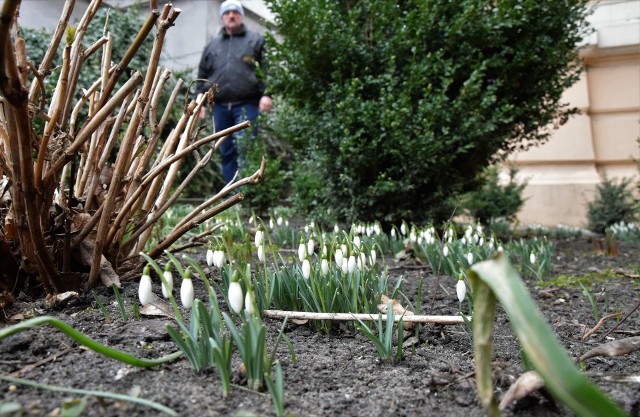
[[563, 174]]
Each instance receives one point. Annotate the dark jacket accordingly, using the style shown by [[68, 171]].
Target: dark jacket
[[230, 62]]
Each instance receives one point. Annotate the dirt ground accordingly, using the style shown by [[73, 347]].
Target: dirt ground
[[337, 374]]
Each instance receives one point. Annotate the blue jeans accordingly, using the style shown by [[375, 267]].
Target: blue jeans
[[228, 115]]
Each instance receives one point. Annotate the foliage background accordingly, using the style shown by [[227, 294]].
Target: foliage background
[[393, 107]]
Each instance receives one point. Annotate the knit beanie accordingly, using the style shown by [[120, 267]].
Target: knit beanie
[[229, 5]]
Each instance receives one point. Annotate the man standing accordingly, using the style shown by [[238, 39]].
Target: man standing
[[230, 62]]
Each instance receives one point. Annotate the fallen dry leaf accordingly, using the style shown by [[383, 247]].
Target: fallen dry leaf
[[615, 348], [397, 308], [527, 383], [107, 275]]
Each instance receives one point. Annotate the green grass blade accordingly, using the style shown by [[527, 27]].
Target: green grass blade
[[85, 341], [102, 394], [550, 360]]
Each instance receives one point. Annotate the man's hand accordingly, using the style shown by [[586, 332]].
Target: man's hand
[[265, 104]]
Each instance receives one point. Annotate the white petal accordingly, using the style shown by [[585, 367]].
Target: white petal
[[144, 290], [235, 297], [248, 303], [306, 269], [168, 276], [338, 257], [209, 257], [351, 264], [324, 266], [461, 290], [302, 249], [186, 293]]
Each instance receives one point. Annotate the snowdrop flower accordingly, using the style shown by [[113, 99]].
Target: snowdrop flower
[[344, 249], [209, 257], [186, 290], [356, 241], [235, 296], [362, 261], [345, 266], [302, 250], [336, 229], [144, 290], [306, 268], [324, 266], [261, 253], [445, 251], [481, 241], [338, 257], [470, 258], [403, 229], [532, 258], [351, 264], [249, 301], [324, 251], [393, 233], [279, 221], [218, 258], [259, 237], [374, 256], [412, 236], [311, 245], [168, 277], [500, 249], [461, 289]]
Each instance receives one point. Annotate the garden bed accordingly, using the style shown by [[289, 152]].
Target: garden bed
[[336, 374]]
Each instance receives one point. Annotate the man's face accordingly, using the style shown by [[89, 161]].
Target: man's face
[[232, 21]]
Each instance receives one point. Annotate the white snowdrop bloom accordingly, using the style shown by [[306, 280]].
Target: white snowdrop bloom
[[449, 239], [403, 229], [351, 264], [336, 229], [325, 253], [186, 292], [258, 238], [235, 297], [362, 261], [532, 258], [252, 219], [445, 251], [261, 253], [461, 290], [302, 250], [248, 302], [479, 229], [271, 225], [470, 258], [393, 233], [338, 257], [500, 248], [279, 221], [356, 241], [476, 238], [374, 256], [345, 266], [469, 231], [306, 268], [209, 257], [412, 236], [286, 222], [324, 266], [345, 251], [463, 240], [311, 246], [168, 277], [306, 229], [481, 241], [144, 290], [218, 258]]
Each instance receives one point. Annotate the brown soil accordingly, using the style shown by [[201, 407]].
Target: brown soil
[[337, 374]]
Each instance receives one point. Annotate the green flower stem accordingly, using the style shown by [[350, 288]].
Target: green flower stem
[[103, 394], [86, 341]]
